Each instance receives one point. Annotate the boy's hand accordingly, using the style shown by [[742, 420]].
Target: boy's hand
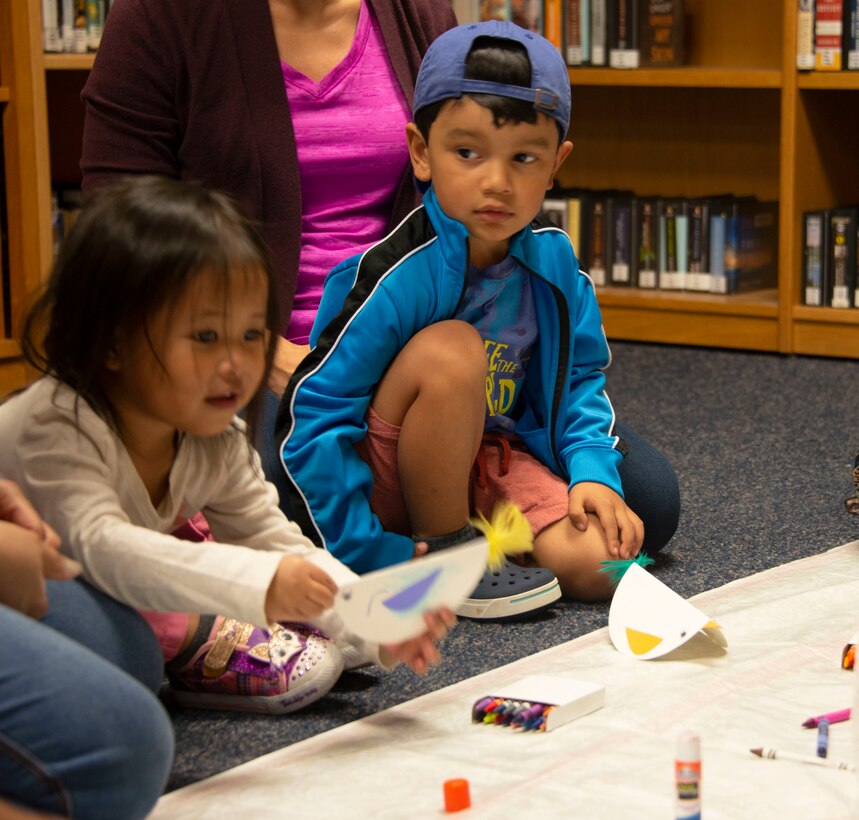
[[299, 590], [624, 530], [420, 653]]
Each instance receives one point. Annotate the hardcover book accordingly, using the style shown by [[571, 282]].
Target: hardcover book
[[573, 32], [828, 34], [553, 23], [805, 34], [673, 244], [842, 256], [623, 34], [662, 35], [645, 240], [815, 259], [851, 35], [599, 54], [595, 245], [750, 240], [619, 213]]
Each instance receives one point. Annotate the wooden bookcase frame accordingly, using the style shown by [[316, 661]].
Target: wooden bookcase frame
[[738, 117]]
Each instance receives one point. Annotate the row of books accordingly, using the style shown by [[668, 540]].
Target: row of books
[[827, 35], [611, 33], [72, 26], [830, 261], [721, 244]]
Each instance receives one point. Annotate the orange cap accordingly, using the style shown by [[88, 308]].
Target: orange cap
[[456, 796]]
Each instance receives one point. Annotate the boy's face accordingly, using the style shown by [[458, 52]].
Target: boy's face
[[490, 178]]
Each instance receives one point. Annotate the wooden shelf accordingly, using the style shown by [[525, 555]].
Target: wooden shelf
[[686, 77], [829, 80], [68, 62], [4, 94]]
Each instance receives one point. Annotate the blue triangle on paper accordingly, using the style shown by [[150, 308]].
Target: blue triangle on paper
[[408, 598]]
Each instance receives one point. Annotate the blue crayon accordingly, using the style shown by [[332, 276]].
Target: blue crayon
[[823, 737]]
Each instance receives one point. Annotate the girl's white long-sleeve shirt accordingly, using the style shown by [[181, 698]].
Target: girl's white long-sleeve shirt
[[75, 470]]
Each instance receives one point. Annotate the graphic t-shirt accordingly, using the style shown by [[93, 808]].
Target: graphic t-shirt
[[499, 304]]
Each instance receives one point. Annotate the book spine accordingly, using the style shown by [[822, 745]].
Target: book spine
[[596, 243], [51, 38], [573, 32], [553, 31], [646, 243], [95, 23], [851, 35], [585, 30], [661, 33], [621, 222], [828, 34], [805, 35], [574, 223], [813, 256], [718, 281], [698, 275], [623, 39], [598, 32], [842, 260]]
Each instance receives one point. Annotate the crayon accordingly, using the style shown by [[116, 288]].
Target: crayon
[[823, 737], [832, 717], [774, 754]]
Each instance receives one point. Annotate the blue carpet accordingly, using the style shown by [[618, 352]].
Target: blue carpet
[[763, 447]]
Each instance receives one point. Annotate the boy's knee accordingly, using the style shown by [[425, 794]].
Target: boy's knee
[[455, 351]]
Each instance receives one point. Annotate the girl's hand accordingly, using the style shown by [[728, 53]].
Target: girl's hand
[[420, 653], [298, 591]]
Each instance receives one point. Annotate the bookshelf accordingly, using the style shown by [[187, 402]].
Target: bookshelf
[[737, 118]]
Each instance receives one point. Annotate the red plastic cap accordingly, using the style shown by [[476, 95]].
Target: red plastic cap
[[456, 796]]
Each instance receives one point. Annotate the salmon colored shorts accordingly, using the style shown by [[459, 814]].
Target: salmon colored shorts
[[503, 470]]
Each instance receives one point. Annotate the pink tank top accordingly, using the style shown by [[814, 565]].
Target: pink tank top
[[351, 141]]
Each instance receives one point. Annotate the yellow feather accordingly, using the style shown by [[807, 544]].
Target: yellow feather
[[508, 533]]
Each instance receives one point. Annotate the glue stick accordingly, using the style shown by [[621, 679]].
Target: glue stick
[[687, 775]]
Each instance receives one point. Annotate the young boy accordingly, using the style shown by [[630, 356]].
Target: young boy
[[460, 361]]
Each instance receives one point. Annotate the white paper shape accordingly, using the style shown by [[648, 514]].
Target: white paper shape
[[648, 619], [387, 605]]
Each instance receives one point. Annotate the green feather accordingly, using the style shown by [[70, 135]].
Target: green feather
[[616, 569]]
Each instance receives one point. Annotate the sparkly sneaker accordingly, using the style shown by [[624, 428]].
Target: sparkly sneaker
[[244, 668]]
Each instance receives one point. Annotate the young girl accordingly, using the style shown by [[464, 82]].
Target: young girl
[[157, 327]]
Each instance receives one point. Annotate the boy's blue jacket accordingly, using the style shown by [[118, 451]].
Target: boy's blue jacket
[[372, 305]]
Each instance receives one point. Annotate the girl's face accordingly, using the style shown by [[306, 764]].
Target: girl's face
[[202, 363]]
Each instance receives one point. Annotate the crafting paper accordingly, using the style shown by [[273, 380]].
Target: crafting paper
[[387, 605], [648, 619]]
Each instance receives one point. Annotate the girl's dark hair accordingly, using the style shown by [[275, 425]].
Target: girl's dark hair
[[496, 60], [135, 248]]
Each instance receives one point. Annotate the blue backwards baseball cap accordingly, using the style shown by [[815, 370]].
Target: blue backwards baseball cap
[[442, 72]]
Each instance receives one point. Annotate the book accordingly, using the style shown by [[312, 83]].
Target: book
[[805, 35], [574, 221], [555, 210], [51, 36], [698, 275], [594, 228], [749, 249], [661, 33], [842, 256], [95, 13], [828, 34], [673, 222], [622, 34], [851, 35], [466, 11], [645, 240], [619, 211], [573, 32], [599, 55], [526, 13], [553, 22], [80, 40], [815, 260]]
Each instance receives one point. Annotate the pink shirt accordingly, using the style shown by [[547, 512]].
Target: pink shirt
[[351, 141]]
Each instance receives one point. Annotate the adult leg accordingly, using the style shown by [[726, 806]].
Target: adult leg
[[650, 489], [78, 736], [112, 630]]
